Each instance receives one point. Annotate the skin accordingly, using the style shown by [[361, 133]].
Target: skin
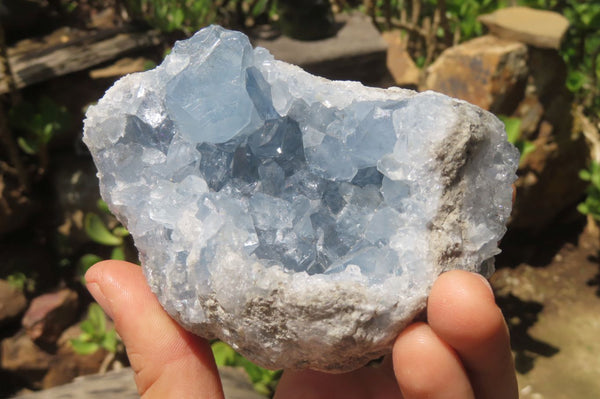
[[462, 352]]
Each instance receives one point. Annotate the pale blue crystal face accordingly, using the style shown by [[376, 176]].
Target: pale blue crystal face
[[222, 150]]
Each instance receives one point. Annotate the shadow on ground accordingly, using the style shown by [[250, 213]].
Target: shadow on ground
[[595, 281], [537, 250], [520, 316]]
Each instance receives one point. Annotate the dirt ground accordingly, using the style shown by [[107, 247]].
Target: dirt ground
[[552, 303]]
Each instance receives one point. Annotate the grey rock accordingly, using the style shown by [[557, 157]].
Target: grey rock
[[302, 221], [12, 302]]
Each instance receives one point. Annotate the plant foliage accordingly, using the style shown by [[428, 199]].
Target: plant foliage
[[263, 380], [99, 233], [95, 334], [591, 204], [38, 124], [513, 133], [190, 15]]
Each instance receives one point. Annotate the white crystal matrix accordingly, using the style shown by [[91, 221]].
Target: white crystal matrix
[[301, 220]]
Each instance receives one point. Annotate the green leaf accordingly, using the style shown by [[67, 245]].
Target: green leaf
[[513, 128], [103, 206], [177, 18], [88, 327], [148, 65], [525, 148], [87, 261], [223, 353], [576, 80], [109, 341], [585, 175], [17, 280], [26, 146], [84, 348], [97, 318], [259, 7], [117, 253], [120, 231], [98, 232]]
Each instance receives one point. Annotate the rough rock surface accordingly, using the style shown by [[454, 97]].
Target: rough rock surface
[[12, 302], [48, 315], [549, 180], [488, 72], [399, 62], [540, 28], [302, 221], [20, 355]]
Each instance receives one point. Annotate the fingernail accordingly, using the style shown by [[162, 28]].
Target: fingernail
[[96, 292], [487, 283]]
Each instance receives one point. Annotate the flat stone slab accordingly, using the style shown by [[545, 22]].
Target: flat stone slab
[[356, 52], [538, 28], [120, 384]]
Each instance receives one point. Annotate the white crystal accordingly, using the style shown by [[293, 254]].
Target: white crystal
[[301, 220]]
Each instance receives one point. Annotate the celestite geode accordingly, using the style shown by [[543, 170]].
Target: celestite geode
[[301, 220]]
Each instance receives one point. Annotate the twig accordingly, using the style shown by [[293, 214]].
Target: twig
[[370, 9], [431, 38], [415, 12], [387, 10], [106, 363], [396, 23], [444, 23]]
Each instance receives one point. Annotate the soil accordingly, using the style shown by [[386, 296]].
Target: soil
[[552, 304]]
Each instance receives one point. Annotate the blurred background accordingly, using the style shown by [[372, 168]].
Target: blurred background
[[534, 63]]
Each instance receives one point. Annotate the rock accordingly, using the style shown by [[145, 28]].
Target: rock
[[67, 365], [508, 78], [12, 302], [48, 315], [488, 72], [399, 63], [549, 181], [20, 355], [301, 220], [356, 52], [121, 384], [540, 28]]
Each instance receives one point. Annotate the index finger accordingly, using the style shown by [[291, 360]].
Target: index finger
[[168, 361]]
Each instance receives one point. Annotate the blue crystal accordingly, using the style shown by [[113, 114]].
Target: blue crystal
[[298, 177]]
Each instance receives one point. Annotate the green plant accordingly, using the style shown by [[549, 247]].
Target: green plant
[[38, 124], [591, 204], [190, 15], [513, 132], [21, 282], [95, 334], [99, 233], [263, 380]]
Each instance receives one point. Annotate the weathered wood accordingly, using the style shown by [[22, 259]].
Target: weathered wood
[[119, 384], [93, 49]]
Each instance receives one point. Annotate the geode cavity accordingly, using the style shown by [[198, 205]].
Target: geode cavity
[[301, 220]]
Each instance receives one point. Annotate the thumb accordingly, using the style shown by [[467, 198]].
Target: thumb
[[167, 360]]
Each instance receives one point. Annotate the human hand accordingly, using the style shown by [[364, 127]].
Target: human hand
[[462, 352]]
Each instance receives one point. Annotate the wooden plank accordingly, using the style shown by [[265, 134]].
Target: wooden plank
[[43, 64]]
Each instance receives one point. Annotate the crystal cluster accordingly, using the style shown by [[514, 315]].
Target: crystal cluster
[[301, 220]]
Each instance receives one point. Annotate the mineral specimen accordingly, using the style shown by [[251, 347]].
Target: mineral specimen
[[301, 220]]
